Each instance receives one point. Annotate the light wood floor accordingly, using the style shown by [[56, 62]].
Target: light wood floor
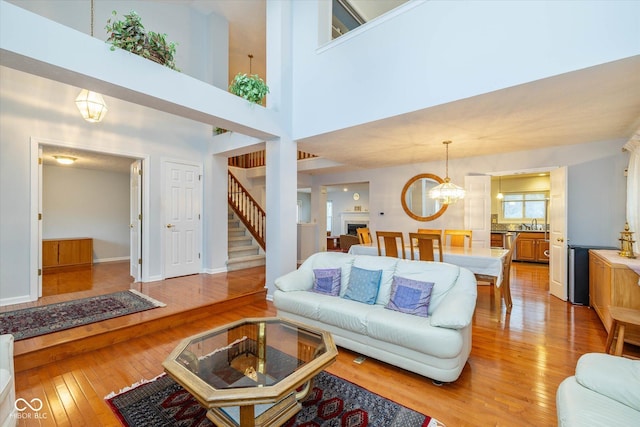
[[516, 364]]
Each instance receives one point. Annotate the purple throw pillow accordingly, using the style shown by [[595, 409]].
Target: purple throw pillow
[[410, 296], [327, 281]]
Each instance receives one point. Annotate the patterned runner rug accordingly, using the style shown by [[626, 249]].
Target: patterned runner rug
[[34, 321], [332, 402]]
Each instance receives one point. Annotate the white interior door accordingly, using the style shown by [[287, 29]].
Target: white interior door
[[182, 227], [558, 233], [40, 172], [477, 209], [135, 221]]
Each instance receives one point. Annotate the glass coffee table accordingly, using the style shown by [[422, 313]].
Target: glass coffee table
[[253, 372]]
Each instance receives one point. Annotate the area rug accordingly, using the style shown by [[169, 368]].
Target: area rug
[[35, 321], [333, 402]]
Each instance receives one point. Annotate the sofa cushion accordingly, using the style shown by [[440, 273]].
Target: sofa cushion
[[363, 285], [613, 376], [303, 303], [345, 314], [410, 296], [327, 281], [388, 267], [413, 332], [443, 276]]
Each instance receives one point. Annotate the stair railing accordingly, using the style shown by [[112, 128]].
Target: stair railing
[[248, 210]]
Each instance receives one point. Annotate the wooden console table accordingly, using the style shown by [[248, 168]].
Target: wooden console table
[[613, 284], [66, 252]]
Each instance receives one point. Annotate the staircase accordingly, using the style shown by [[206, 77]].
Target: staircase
[[243, 250]]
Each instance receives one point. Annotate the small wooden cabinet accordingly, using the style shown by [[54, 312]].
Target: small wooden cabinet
[[497, 240], [65, 252], [532, 247], [612, 283]]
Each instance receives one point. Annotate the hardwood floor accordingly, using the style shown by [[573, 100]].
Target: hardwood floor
[[516, 364]]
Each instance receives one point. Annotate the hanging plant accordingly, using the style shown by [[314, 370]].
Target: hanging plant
[[129, 34], [250, 87]]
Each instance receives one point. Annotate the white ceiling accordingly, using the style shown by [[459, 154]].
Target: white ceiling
[[86, 159]]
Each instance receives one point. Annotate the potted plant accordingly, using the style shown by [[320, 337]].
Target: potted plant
[[129, 34], [250, 87]]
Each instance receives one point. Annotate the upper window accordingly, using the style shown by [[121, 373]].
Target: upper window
[[350, 14], [523, 206]]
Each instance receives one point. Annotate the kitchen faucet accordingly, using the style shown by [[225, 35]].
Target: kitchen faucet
[[534, 224]]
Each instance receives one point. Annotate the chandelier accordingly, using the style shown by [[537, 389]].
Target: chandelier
[[447, 192]]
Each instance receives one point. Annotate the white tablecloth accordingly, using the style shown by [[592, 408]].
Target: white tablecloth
[[486, 261]]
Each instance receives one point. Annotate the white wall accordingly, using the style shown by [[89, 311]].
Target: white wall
[[202, 41], [87, 203], [596, 199], [440, 51], [40, 109]]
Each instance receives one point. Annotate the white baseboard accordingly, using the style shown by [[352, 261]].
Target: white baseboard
[[215, 270], [98, 261], [15, 300]]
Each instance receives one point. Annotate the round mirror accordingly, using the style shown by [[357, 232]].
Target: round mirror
[[416, 201]]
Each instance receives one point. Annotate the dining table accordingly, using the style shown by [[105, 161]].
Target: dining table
[[480, 261]]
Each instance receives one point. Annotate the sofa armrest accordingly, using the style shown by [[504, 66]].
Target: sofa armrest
[[613, 376], [455, 311], [7, 382], [297, 280]]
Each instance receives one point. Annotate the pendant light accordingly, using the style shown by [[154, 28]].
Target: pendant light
[[500, 195], [91, 104], [447, 193]]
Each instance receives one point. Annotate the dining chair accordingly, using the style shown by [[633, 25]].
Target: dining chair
[[457, 237], [364, 235], [430, 231], [505, 286], [390, 239], [425, 245]]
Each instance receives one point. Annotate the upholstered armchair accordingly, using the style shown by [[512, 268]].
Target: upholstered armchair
[[7, 382]]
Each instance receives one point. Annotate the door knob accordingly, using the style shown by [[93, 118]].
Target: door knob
[[560, 239], [170, 225]]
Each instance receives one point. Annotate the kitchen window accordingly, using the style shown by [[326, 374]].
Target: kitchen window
[[523, 207]]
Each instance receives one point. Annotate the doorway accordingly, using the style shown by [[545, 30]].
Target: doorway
[[71, 201], [543, 229]]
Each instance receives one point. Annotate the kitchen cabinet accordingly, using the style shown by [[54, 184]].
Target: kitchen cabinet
[[531, 247], [66, 252], [497, 240], [612, 283]]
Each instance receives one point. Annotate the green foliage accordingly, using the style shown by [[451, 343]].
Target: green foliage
[[129, 34], [250, 87]]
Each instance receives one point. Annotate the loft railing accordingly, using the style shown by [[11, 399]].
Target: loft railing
[[259, 158], [248, 210]]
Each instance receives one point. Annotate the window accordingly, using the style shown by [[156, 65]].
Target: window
[[329, 215], [523, 206], [298, 209]]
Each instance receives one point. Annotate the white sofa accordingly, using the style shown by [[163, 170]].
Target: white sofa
[[605, 391], [7, 382], [436, 346]]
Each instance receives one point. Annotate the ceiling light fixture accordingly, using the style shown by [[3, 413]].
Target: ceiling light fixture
[[91, 104], [65, 160], [447, 193], [500, 195]]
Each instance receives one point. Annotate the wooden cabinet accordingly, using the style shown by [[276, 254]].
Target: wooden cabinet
[[65, 252], [612, 283], [497, 240], [531, 247]]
